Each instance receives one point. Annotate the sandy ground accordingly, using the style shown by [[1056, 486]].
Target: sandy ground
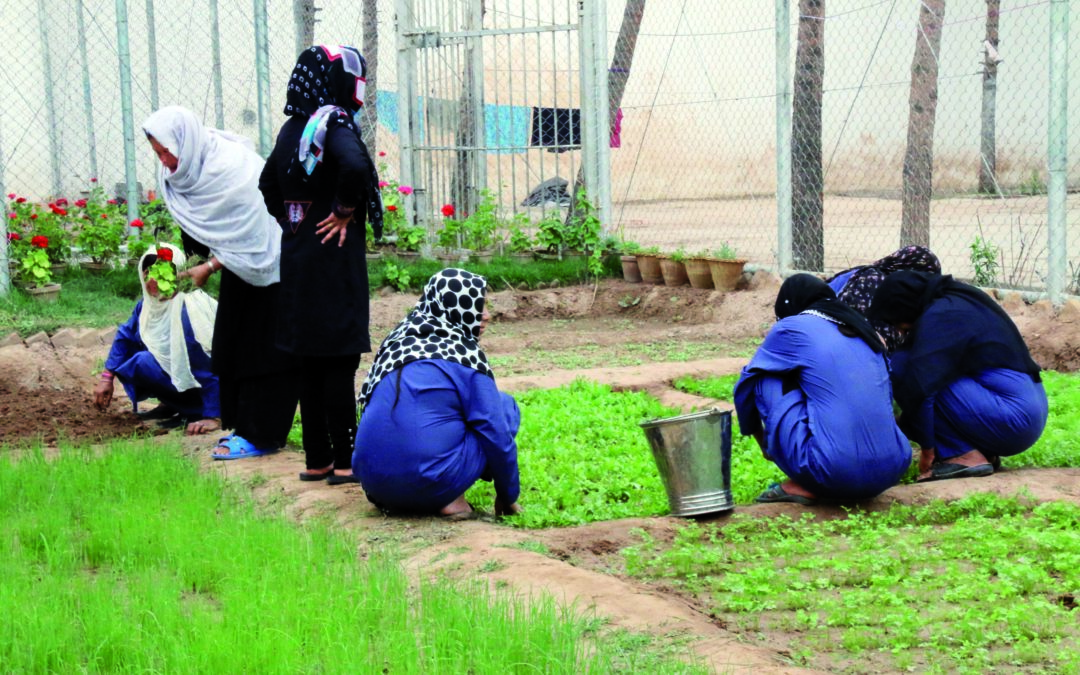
[[45, 387]]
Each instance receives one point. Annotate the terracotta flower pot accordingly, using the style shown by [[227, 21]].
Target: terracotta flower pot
[[630, 270], [522, 256], [94, 267], [649, 266], [482, 257], [48, 293], [674, 272], [699, 272], [726, 273]]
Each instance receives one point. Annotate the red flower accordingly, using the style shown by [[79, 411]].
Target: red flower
[[12, 236], [138, 223], [388, 208], [382, 153], [59, 211], [20, 200], [93, 180], [41, 241], [448, 210], [33, 216], [13, 216], [81, 203], [61, 202], [164, 254], [112, 201], [103, 216]]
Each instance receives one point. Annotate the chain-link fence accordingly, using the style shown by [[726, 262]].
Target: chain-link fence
[[872, 88]]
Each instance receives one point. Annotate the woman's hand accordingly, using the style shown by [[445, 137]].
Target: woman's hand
[[103, 393], [200, 274], [203, 426], [504, 509], [334, 224]]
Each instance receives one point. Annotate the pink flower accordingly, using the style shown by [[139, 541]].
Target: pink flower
[[448, 210], [405, 190], [93, 180], [383, 184], [12, 195], [138, 223], [112, 201], [61, 202], [13, 236], [13, 216]]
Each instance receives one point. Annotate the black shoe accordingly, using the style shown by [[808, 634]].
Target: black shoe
[[335, 479], [177, 420]]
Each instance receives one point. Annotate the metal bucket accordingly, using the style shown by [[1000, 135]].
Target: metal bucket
[[693, 454]]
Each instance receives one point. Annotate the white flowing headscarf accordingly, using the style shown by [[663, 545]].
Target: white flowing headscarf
[[161, 324], [214, 194]]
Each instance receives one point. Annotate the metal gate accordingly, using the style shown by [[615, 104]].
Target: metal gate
[[503, 101]]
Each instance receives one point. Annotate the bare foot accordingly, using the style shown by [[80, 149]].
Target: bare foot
[[455, 507], [793, 488]]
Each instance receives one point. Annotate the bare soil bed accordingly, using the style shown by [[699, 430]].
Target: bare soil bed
[[45, 390]]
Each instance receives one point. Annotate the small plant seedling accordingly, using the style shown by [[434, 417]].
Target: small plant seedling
[[629, 301]]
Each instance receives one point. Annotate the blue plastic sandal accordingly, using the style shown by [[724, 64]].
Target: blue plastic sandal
[[238, 448]]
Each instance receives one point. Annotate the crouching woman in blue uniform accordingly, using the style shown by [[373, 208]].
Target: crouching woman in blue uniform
[[965, 381], [816, 397], [433, 422], [163, 351]]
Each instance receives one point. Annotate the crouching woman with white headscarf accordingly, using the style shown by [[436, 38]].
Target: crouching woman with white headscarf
[[163, 351], [209, 179]]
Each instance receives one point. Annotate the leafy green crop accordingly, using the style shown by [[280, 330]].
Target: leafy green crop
[[583, 458], [1059, 445], [983, 584]]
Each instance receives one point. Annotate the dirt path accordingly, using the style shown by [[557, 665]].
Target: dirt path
[[45, 384]]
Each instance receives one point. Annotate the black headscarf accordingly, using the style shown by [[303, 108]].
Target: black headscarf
[[806, 293], [327, 75], [958, 331], [444, 324]]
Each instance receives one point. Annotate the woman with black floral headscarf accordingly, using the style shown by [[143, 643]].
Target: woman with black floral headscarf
[[433, 420], [320, 184], [856, 286]]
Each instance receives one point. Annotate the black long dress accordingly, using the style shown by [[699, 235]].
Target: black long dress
[[259, 382]]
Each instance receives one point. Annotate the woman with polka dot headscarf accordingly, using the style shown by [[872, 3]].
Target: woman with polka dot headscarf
[[433, 420]]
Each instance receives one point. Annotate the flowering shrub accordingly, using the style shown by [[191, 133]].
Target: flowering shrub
[[393, 199], [51, 221], [35, 268], [102, 226], [477, 231]]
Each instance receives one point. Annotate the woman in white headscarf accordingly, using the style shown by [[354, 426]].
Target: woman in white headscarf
[[163, 352], [209, 179]]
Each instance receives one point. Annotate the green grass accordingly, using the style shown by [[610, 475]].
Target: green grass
[[86, 301], [130, 560], [984, 584], [501, 273]]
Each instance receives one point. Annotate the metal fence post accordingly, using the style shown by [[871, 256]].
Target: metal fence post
[[88, 99], [5, 278], [262, 76], [50, 102], [596, 131], [123, 52], [1057, 151], [783, 136], [477, 158], [151, 53], [406, 78], [215, 64]]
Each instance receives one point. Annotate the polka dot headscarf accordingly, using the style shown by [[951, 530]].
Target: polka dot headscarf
[[326, 75], [445, 324]]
